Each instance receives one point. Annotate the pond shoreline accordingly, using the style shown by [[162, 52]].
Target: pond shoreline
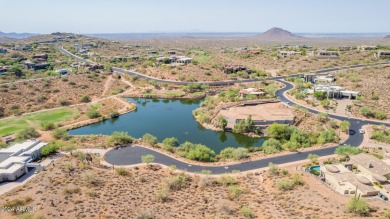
[[174, 113]]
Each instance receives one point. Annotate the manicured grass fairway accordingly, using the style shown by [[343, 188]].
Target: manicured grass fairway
[[14, 125]]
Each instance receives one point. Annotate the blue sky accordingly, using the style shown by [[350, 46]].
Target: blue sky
[[128, 16]]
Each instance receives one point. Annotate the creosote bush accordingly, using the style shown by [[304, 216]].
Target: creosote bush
[[119, 138]]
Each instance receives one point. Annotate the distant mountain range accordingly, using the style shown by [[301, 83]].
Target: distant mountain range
[[6, 39], [17, 35], [387, 37], [278, 33]]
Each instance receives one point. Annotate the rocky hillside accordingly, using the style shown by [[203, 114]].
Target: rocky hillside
[[278, 33]]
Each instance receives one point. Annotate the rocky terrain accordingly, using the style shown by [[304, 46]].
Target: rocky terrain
[[72, 188]]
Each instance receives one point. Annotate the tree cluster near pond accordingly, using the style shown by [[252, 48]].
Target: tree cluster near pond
[[291, 138]]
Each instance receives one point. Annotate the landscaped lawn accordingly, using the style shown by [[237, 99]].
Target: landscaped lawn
[[150, 92], [197, 93], [15, 124]]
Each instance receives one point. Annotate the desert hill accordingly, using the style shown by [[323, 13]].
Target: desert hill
[[278, 33]]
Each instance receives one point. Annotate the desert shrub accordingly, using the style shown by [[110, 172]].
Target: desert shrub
[[279, 131], [368, 112], [290, 184], [45, 126], [169, 144], [344, 125], [221, 122], [27, 133], [120, 138], [245, 126], [235, 191], [117, 91], [234, 153], [3, 144], [17, 202], [91, 192], [162, 194], [273, 169], [80, 155], [122, 171], [297, 179], [93, 113], [300, 95], [197, 152], [271, 146], [227, 153], [114, 114], [226, 180], [85, 99], [347, 150], [247, 212], [13, 205], [91, 179], [285, 184], [145, 214], [178, 182], [358, 206], [313, 158], [70, 191], [387, 213], [64, 102], [149, 139], [60, 133], [327, 136], [50, 149], [381, 135]]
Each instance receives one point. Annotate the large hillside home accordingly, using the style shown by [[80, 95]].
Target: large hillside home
[[16, 160]]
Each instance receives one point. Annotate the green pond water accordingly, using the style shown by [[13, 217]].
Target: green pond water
[[168, 118]]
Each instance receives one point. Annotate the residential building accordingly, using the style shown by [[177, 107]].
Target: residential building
[[16, 160], [345, 182], [233, 68], [63, 71], [319, 78], [4, 69], [8, 138], [323, 54], [367, 48], [334, 91], [3, 50], [383, 54], [251, 91], [285, 54], [172, 59], [370, 165], [21, 48], [82, 50], [40, 57], [36, 66], [184, 60]]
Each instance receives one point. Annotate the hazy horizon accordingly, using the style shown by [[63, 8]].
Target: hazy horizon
[[201, 16]]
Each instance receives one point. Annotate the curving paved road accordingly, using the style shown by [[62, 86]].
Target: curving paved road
[[211, 83], [131, 155]]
